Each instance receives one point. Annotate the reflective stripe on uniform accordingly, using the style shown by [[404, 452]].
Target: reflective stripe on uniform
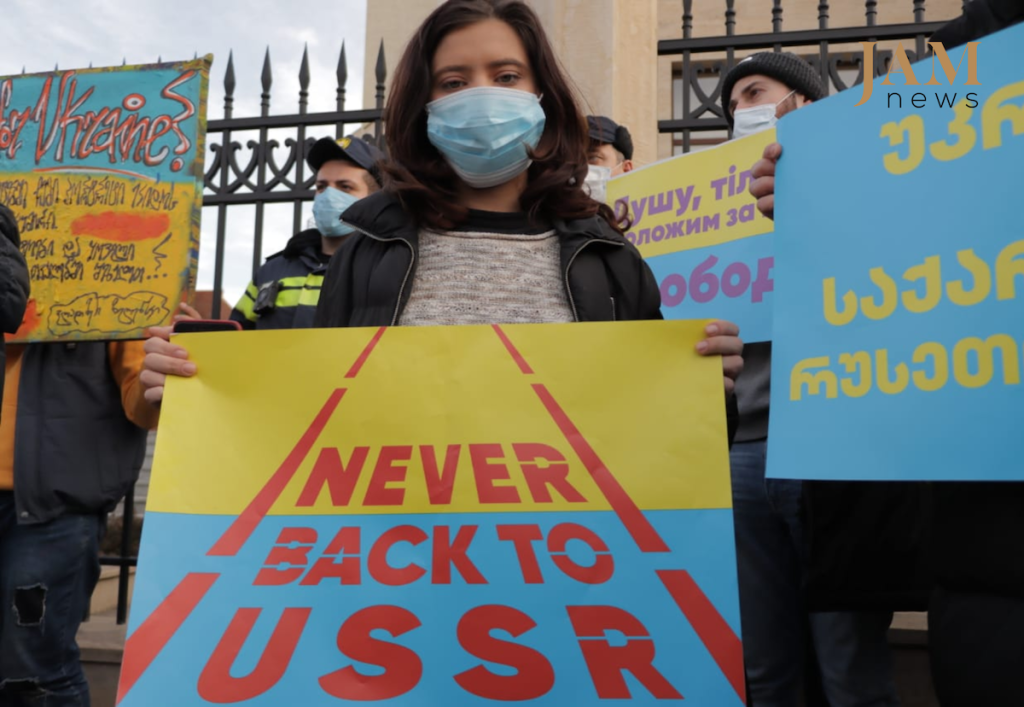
[[245, 304], [299, 296], [300, 282]]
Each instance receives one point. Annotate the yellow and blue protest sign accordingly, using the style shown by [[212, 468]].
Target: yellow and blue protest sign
[[440, 516], [900, 269], [103, 169], [695, 222]]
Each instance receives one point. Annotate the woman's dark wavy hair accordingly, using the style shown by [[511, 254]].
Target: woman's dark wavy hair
[[421, 178]]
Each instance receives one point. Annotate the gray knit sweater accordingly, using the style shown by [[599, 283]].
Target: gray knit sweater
[[494, 270]]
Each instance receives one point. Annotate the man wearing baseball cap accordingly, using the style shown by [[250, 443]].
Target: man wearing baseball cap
[[851, 647], [610, 153], [285, 291], [611, 145]]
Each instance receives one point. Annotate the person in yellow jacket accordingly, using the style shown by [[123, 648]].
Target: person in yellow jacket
[[72, 440]]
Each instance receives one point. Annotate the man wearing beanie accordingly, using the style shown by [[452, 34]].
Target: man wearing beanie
[[851, 648], [764, 87]]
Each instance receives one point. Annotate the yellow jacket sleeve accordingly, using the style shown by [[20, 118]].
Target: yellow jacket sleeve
[[126, 358]]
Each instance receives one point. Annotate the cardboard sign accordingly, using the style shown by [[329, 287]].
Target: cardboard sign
[[440, 516], [103, 169], [698, 227]]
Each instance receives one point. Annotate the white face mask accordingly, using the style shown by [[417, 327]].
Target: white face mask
[[748, 121], [596, 183]]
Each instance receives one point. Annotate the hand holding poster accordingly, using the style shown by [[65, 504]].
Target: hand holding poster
[[440, 516], [698, 227], [103, 169], [898, 348]]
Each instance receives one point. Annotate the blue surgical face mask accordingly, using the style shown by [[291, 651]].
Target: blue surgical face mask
[[328, 206], [485, 133]]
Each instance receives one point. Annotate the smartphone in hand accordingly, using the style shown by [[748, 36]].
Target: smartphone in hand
[[191, 326]]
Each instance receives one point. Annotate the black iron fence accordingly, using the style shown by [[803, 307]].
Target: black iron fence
[[266, 177], [272, 173], [704, 61]]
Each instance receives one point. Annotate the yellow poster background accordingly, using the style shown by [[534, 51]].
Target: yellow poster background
[[699, 169], [647, 404]]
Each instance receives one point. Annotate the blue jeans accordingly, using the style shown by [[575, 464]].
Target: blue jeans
[[47, 574], [851, 647]]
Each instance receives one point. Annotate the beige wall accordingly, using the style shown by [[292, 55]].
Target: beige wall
[[609, 47], [394, 21]]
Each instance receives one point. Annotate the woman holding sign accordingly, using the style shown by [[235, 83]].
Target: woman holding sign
[[483, 218]]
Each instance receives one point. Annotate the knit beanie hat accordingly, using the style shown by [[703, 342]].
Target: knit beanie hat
[[785, 67]]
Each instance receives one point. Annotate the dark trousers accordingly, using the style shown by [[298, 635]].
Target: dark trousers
[[977, 649], [47, 574]]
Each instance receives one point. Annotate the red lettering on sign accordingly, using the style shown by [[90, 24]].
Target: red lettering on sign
[[606, 662], [385, 472], [534, 676], [377, 562], [282, 554], [346, 542], [522, 538], [486, 473], [598, 573], [440, 486], [553, 472], [339, 478], [402, 667], [449, 553], [217, 685]]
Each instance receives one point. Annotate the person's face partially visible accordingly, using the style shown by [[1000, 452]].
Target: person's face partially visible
[[343, 176], [487, 53], [604, 155], [757, 90]]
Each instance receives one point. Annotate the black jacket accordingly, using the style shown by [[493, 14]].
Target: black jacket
[[14, 285], [980, 18], [868, 545], [77, 447], [979, 526], [370, 277]]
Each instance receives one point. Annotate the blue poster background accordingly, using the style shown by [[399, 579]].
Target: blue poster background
[[700, 540], [110, 95], [745, 299], [861, 195]]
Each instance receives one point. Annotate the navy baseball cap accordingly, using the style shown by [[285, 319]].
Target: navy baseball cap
[[349, 148], [606, 130]]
